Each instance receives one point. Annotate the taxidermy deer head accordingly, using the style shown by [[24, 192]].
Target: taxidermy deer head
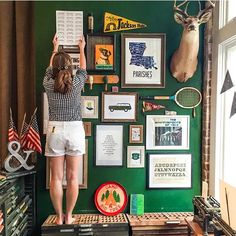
[[184, 60]]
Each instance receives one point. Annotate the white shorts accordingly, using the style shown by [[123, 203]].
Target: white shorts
[[65, 138]]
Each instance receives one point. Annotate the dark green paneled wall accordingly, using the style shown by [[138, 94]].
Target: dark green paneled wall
[[158, 16]]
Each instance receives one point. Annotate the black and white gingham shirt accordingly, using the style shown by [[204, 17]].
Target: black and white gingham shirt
[[64, 107]]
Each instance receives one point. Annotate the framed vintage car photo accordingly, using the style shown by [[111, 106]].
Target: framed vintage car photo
[[117, 107]]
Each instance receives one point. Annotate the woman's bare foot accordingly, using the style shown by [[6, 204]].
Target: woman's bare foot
[[60, 219], [69, 219]]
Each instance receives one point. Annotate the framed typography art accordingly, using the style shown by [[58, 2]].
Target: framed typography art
[[170, 171], [109, 145], [143, 60]]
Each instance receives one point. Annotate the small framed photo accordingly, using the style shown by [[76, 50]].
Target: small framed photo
[[136, 133], [100, 50], [75, 58], [89, 107], [73, 52], [135, 156], [104, 58], [170, 171], [109, 145], [143, 60], [119, 107], [82, 174], [87, 128], [167, 132]]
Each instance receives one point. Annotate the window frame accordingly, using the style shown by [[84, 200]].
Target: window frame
[[224, 33]]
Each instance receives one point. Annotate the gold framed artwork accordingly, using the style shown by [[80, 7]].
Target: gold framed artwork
[[82, 173], [136, 133]]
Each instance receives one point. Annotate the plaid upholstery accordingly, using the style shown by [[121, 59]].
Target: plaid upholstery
[[64, 107]]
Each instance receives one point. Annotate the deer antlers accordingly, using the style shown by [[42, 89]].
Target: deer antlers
[[200, 13]]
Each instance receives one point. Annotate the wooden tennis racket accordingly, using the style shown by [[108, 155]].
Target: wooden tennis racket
[[187, 97]]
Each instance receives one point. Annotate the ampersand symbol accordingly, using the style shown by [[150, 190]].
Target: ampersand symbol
[[15, 154]]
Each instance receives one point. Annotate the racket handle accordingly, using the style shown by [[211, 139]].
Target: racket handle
[[146, 98], [155, 97], [194, 112]]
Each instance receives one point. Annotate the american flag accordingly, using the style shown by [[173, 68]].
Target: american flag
[[31, 139], [23, 135], [12, 133]]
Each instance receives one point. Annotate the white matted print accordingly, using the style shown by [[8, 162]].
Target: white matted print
[[109, 145], [135, 156], [118, 107], [143, 60], [170, 171], [167, 132], [89, 107]]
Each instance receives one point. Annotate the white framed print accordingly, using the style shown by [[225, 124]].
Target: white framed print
[[167, 132], [119, 107], [89, 107], [109, 145], [170, 171], [135, 156]]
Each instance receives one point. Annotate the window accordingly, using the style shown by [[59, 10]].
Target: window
[[223, 127], [231, 9], [227, 10]]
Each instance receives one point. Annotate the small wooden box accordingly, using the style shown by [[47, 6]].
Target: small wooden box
[[165, 223], [88, 224]]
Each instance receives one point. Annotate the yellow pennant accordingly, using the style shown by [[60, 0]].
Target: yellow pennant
[[117, 23]]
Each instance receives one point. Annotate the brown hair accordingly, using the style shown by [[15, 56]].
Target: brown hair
[[62, 72]]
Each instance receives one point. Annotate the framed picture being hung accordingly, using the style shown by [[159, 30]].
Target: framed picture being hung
[[167, 132], [143, 60], [119, 107], [170, 171]]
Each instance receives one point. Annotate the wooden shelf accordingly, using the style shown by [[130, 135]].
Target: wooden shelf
[[99, 79]]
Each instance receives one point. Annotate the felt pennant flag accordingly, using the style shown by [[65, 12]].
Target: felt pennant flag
[[233, 107], [228, 84], [117, 23]]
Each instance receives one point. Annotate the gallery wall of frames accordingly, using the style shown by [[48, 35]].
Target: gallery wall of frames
[[148, 144]]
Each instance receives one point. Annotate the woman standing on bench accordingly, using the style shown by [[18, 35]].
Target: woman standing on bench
[[65, 141]]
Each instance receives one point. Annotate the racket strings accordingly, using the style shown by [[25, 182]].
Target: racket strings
[[188, 98]]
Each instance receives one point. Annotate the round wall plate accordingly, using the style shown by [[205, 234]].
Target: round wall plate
[[110, 198]]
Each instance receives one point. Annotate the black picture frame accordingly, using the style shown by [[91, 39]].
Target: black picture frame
[[99, 39]]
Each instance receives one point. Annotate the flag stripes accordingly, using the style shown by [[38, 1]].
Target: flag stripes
[[29, 137], [12, 132]]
